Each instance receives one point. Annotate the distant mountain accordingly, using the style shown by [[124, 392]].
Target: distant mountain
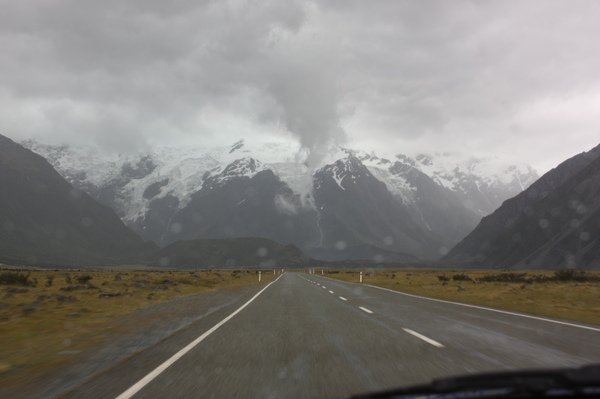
[[356, 210], [229, 253], [244, 200], [45, 220], [171, 194], [553, 224]]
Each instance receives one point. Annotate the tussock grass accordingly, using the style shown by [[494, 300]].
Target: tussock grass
[[570, 295], [46, 317]]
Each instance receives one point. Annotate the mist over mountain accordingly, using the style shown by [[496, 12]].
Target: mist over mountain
[[553, 224], [229, 253], [408, 207], [45, 220]]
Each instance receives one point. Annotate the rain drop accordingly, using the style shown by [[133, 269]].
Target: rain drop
[[262, 252], [176, 228], [164, 262], [585, 236], [340, 245]]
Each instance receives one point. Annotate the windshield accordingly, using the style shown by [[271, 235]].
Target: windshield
[[295, 199]]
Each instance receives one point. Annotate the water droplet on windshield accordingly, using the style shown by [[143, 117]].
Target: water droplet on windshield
[[164, 262], [340, 245], [585, 236], [176, 227], [262, 252], [544, 223], [388, 240]]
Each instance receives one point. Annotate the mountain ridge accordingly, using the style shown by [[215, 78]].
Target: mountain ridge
[[553, 224], [147, 190]]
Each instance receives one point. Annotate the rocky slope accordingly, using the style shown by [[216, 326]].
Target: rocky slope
[[553, 224], [45, 220]]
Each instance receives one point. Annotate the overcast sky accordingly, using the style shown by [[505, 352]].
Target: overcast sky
[[518, 80]]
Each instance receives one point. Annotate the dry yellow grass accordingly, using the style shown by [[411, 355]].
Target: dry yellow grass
[[63, 315], [571, 300]]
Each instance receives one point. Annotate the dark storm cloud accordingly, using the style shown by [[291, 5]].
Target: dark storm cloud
[[428, 75]]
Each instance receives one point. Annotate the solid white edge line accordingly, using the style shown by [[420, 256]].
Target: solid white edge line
[[365, 310], [343, 299], [135, 388], [424, 338], [490, 309]]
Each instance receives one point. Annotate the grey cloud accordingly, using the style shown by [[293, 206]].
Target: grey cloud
[[124, 73]]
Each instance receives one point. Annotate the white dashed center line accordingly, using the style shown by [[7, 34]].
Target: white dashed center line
[[331, 292], [424, 338], [343, 299], [365, 310]]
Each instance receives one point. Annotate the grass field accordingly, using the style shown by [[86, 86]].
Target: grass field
[[570, 295], [46, 316]]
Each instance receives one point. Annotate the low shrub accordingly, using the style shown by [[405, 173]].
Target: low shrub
[[461, 277], [16, 278], [83, 279]]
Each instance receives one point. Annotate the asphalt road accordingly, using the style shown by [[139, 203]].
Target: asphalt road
[[310, 336]]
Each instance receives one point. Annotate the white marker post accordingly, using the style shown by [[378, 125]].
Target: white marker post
[[259, 275], [361, 277], [321, 272], [273, 272]]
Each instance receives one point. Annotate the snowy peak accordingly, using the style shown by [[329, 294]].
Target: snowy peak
[[244, 167], [345, 172]]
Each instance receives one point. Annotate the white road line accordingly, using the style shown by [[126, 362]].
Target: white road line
[[157, 371], [343, 299], [365, 310], [424, 338], [331, 292], [490, 309], [324, 287]]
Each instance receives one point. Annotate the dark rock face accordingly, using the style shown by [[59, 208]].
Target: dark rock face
[[230, 206], [553, 224], [355, 209], [45, 220]]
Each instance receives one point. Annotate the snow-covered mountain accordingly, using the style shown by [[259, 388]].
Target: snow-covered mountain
[[443, 196]]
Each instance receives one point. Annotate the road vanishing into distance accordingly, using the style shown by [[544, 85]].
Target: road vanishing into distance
[[304, 335]]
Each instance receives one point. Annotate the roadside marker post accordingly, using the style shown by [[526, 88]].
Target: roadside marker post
[[259, 275], [361, 277]]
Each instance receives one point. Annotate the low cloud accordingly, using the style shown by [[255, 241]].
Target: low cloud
[[383, 76]]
